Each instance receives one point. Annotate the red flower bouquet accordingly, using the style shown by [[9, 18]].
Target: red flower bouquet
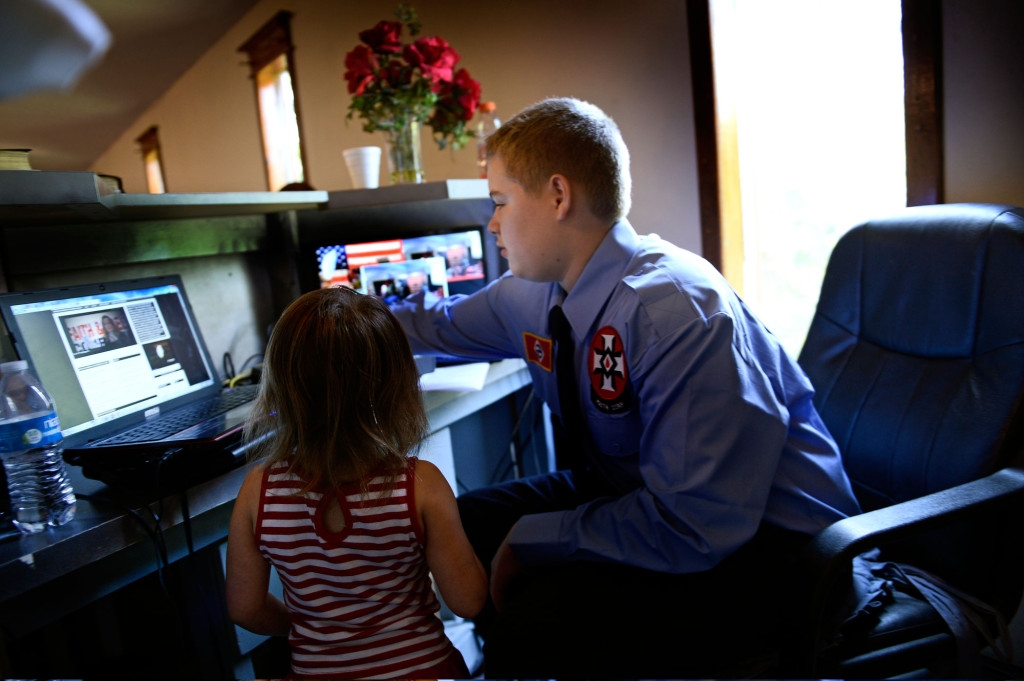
[[393, 83]]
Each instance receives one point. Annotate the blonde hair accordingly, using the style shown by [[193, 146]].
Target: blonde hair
[[339, 396], [573, 138]]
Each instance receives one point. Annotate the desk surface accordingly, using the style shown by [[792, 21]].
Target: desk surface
[[106, 546]]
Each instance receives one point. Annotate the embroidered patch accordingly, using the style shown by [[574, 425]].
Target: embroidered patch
[[610, 388], [538, 350]]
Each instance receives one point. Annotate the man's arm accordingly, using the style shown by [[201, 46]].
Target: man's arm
[[460, 326]]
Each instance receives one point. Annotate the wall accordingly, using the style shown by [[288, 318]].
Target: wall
[[983, 59], [629, 58]]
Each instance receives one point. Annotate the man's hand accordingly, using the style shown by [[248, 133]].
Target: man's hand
[[505, 570]]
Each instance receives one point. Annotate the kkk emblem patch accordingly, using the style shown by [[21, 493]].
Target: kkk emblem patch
[[538, 350], [610, 389]]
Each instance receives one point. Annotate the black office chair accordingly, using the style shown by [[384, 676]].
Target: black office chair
[[916, 352]]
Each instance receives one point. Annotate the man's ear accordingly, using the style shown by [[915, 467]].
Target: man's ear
[[561, 193]]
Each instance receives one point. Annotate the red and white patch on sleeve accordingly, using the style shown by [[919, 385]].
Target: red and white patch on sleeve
[[609, 375]]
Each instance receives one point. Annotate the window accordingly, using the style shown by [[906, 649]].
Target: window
[[809, 121], [271, 62], [150, 144]]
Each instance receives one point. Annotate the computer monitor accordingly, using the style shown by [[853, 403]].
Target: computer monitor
[[395, 265]]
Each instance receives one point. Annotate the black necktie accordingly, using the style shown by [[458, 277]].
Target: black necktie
[[569, 448]]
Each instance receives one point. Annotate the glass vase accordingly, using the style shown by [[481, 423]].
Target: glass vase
[[405, 157]]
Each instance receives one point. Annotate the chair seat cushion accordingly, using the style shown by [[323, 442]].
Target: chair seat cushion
[[907, 620], [906, 633]]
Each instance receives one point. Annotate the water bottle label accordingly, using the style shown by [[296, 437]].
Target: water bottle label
[[38, 431]]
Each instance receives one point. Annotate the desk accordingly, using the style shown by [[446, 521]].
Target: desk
[[45, 577]]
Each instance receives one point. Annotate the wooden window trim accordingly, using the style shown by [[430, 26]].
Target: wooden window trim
[[922, 69], [273, 39], [698, 18]]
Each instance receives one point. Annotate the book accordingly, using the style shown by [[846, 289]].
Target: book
[[14, 159]]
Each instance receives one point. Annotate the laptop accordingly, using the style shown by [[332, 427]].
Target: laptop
[[130, 374]]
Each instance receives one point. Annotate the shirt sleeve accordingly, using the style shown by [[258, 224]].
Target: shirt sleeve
[[467, 327], [714, 429]]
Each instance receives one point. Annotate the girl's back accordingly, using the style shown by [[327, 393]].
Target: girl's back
[[355, 577]]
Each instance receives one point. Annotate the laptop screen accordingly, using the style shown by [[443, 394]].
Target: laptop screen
[[109, 352]]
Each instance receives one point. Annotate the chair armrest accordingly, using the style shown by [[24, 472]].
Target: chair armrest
[[851, 536], [833, 549]]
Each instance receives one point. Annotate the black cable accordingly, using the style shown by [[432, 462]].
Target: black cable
[[538, 419], [515, 446], [162, 488], [540, 466], [159, 546], [229, 366], [186, 516], [512, 465], [205, 601], [245, 364]]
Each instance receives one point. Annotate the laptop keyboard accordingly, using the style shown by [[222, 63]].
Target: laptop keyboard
[[169, 424]]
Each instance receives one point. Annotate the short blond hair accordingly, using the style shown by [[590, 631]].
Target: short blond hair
[[573, 138]]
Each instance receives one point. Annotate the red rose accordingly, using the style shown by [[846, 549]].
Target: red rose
[[456, 104], [360, 63], [385, 37], [467, 92], [460, 97], [396, 75], [435, 57]]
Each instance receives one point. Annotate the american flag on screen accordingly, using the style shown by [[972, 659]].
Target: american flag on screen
[[357, 255]]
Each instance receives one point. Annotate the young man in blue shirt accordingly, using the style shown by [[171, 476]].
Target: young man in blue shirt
[[698, 461]]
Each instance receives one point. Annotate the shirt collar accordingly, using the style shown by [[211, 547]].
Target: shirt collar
[[602, 274]]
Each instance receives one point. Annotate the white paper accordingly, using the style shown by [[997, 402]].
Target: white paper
[[456, 377]]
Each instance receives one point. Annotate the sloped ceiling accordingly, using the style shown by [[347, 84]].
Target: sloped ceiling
[[154, 43]]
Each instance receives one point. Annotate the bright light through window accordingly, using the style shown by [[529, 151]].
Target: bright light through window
[[279, 123], [154, 175], [149, 144], [819, 115]]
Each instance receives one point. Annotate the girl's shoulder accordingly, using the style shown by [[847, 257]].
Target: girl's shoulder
[[255, 476], [428, 483], [424, 471], [251, 490]]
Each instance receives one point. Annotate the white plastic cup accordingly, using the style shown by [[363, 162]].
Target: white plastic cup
[[363, 166]]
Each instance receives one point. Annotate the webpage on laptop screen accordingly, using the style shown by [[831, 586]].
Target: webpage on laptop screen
[[122, 352]]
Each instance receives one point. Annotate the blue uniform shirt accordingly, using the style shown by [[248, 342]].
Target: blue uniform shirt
[[696, 415]]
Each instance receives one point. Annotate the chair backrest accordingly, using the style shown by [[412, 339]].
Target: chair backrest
[[916, 352]]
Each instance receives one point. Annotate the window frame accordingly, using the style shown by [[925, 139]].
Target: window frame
[[149, 143], [270, 42], [922, 58]]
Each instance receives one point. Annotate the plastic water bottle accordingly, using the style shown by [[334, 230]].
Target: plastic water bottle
[[32, 448], [486, 123]]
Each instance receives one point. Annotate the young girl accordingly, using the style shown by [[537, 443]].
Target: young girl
[[352, 523]]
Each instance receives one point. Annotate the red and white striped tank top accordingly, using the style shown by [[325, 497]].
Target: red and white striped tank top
[[361, 600]]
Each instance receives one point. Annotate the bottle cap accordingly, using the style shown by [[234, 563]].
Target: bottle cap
[[487, 107], [15, 365]]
